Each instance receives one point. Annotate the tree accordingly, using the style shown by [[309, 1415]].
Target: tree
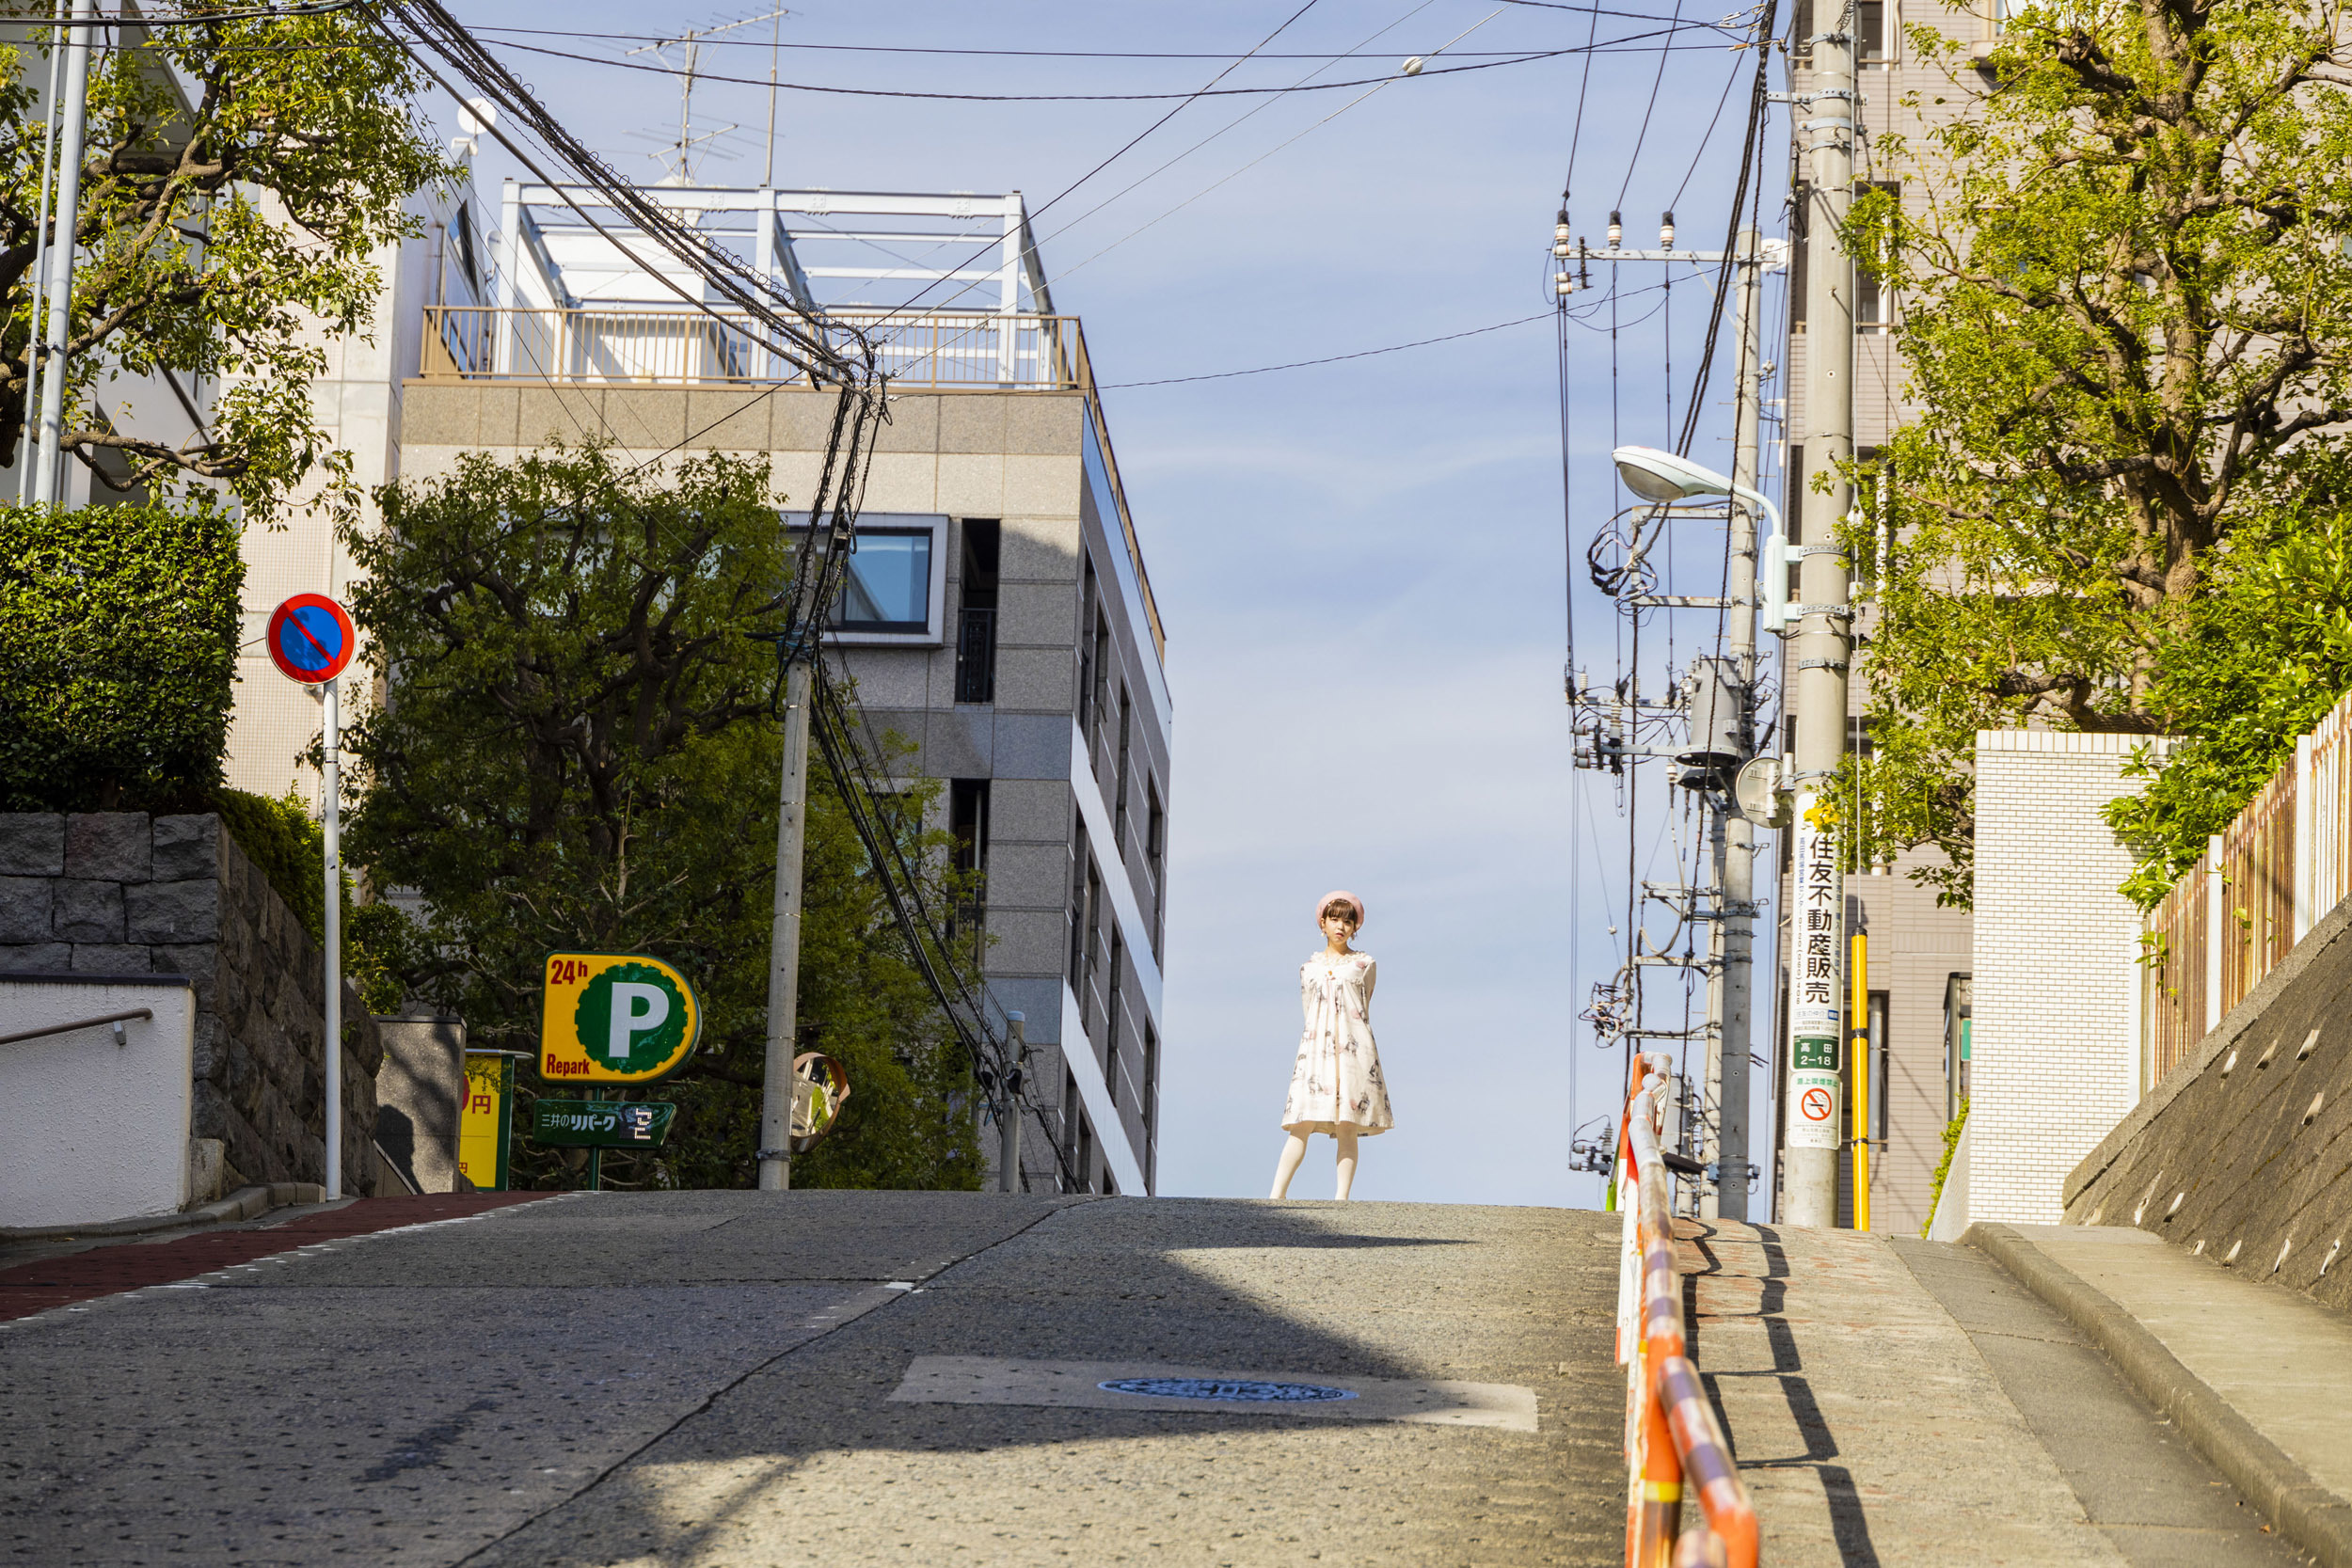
[[2128, 336], [238, 177], [579, 753], [2265, 652]]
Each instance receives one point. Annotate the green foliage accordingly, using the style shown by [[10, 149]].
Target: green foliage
[[1952, 1129], [118, 654], [225, 237], [2266, 652], [288, 847], [580, 754], [2128, 334]]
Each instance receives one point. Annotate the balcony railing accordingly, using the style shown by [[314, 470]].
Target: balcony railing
[[658, 346], [976, 655]]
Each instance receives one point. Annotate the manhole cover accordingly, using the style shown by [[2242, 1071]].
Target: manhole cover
[[1237, 1390]]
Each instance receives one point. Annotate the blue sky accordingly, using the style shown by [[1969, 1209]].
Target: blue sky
[[1361, 566]]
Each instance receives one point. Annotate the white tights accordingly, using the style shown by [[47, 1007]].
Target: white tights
[[1296, 1150]]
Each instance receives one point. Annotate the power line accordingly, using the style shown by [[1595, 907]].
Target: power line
[[1328, 359], [1612, 46]]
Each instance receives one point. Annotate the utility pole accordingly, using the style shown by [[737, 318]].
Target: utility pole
[[1008, 1178], [784, 943], [1816, 672], [1732, 943], [49, 452]]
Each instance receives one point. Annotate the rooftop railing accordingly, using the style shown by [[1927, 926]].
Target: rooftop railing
[[663, 346]]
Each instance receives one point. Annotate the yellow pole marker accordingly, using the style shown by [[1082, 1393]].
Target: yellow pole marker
[[1859, 1033]]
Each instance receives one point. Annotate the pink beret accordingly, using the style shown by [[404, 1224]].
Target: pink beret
[[1335, 896]]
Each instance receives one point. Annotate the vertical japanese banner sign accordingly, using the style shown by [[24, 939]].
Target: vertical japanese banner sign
[[484, 1126], [1817, 933]]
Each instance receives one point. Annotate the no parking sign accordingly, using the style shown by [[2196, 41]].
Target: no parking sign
[[310, 639]]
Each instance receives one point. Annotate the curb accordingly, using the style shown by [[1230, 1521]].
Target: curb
[[244, 1204], [2306, 1513]]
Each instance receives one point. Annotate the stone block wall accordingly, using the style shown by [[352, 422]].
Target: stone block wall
[[2243, 1154], [2055, 1054], [123, 893]]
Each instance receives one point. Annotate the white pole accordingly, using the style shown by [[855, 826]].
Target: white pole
[[33, 321], [784, 947], [58, 285], [332, 818]]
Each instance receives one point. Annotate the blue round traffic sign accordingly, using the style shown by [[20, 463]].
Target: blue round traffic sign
[[310, 639]]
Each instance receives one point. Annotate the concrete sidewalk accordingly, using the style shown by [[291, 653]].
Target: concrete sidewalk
[[1907, 1402], [2258, 1376]]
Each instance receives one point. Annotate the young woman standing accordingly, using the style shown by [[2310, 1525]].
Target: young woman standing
[[1336, 1086]]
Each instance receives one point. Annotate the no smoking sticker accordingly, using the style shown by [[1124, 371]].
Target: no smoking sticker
[[1813, 1096]]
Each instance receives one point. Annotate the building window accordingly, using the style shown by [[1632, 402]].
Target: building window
[[967, 824], [1099, 701], [894, 581], [976, 615], [1870, 43], [1150, 1089], [1956, 1006], [1155, 852], [1086, 655], [1110, 1010], [1119, 817], [888, 584], [1079, 860], [1873, 306]]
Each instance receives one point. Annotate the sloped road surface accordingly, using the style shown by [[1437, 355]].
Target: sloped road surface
[[708, 1379]]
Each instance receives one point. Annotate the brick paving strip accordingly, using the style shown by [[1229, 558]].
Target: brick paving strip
[[37, 1287]]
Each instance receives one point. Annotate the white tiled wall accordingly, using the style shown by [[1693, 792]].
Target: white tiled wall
[[2056, 1051]]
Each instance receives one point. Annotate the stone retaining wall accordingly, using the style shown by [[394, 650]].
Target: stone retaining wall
[[2243, 1154], [123, 893]]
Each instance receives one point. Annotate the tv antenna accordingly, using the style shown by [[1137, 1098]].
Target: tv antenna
[[681, 156]]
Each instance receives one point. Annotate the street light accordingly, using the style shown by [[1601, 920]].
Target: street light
[[1659, 477]]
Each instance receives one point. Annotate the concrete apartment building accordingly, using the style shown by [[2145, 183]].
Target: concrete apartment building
[[1920, 955], [999, 616]]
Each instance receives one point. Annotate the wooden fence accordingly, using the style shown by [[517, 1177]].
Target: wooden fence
[[2257, 890]]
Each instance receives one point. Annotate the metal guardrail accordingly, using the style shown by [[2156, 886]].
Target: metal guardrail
[[1673, 1444], [2261, 885], [118, 1020], [653, 345]]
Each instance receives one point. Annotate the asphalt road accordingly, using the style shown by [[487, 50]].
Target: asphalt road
[[747, 1379], [706, 1379]]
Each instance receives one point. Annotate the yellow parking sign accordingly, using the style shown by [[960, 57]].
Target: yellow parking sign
[[615, 1017]]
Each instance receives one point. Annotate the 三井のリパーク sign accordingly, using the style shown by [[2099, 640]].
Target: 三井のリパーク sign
[[615, 1017]]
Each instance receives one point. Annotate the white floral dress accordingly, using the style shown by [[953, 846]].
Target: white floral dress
[[1336, 1081]]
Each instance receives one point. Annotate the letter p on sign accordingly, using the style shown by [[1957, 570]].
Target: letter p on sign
[[636, 1007]]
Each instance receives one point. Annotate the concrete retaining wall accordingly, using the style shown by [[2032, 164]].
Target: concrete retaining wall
[[95, 1131], [125, 893], [2243, 1154]]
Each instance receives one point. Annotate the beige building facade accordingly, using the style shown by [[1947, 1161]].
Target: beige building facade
[[999, 616]]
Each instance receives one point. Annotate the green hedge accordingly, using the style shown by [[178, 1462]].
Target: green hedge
[[287, 846], [117, 656]]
